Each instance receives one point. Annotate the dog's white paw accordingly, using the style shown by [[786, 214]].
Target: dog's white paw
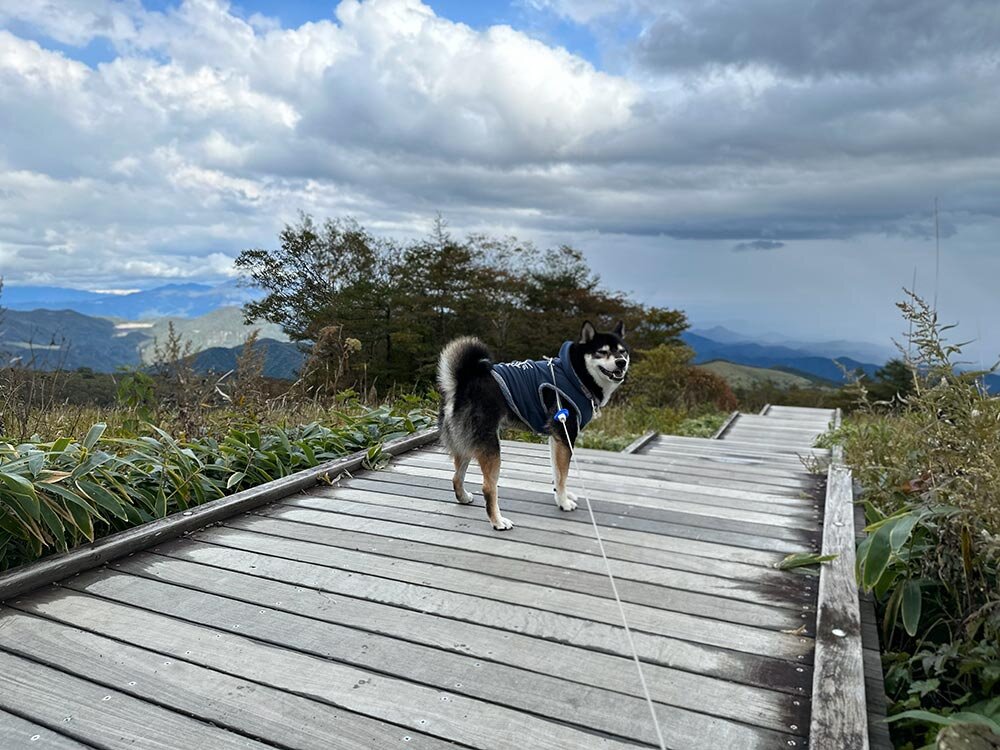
[[466, 498], [567, 501], [503, 524]]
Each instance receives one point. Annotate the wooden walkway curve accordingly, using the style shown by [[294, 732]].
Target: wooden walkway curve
[[379, 613]]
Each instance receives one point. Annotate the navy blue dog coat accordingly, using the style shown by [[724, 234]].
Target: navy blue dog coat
[[523, 384]]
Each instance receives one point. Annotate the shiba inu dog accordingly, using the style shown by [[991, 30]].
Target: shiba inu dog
[[480, 398]]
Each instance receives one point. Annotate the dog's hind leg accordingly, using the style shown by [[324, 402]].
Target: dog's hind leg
[[458, 481], [489, 463], [560, 453]]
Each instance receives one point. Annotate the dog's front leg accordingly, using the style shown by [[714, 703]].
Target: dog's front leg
[[561, 455]]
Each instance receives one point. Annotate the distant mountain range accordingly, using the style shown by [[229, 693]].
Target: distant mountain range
[[64, 339], [68, 328], [863, 351], [68, 340], [170, 300], [822, 360], [775, 357], [282, 359]]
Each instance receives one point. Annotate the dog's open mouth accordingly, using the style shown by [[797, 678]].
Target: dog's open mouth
[[613, 374]]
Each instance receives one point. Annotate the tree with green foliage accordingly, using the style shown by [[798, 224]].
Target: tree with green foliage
[[403, 302], [892, 384]]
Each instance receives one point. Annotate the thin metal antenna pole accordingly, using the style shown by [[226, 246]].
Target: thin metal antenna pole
[[937, 253]]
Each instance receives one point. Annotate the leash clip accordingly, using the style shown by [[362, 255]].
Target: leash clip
[[562, 415]]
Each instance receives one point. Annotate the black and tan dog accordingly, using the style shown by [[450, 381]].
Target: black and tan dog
[[479, 398]]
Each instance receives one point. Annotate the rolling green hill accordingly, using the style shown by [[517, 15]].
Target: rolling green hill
[[747, 376], [221, 328]]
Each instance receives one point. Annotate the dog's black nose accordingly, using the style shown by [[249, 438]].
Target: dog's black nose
[[620, 363]]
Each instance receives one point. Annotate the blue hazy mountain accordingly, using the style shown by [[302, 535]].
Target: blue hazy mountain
[[169, 300], [282, 359], [735, 348], [780, 357], [68, 340], [862, 351]]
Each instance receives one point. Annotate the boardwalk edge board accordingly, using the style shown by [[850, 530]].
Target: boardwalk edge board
[[840, 712], [725, 425], [53, 568], [640, 442]]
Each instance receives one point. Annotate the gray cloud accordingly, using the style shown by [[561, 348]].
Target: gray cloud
[[740, 247], [206, 133], [819, 37]]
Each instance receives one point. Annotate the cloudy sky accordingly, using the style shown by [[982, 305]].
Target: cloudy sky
[[770, 164]]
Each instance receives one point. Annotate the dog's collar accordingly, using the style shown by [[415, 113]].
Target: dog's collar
[[594, 403]]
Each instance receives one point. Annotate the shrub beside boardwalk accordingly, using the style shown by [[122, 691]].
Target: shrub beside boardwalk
[[929, 464], [59, 494]]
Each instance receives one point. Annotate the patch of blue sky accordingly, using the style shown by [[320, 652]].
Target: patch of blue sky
[[546, 26], [96, 51], [538, 23]]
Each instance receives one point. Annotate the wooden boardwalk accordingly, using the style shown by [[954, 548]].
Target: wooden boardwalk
[[380, 613]]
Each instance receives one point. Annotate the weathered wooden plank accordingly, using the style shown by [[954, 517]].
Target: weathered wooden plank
[[528, 618], [749, 603], [805, 411], [178, 682], [531, 651], [49, 569], [737, 456], [778, 422], [102, 716], [641, 618], [703, 447], [769, 432], [695, 483], [671, 440], [493, 681], [446, 714], [634, 505], [707, 445], [636, 496], [800, 504], [683, 449], [775, 435], [20, 734], [725, 443], [665, 469], [678, 553], [650, 472], [639, 443], [616, 463], [791, 426], [668, 468], [618, 487], [435, 495], [839, 715]]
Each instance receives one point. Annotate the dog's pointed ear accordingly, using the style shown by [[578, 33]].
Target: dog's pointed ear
[[620, 329], [587, 332]]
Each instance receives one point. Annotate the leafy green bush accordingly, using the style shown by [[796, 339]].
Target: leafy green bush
[[56, 495], [664, 376], [931, 478]]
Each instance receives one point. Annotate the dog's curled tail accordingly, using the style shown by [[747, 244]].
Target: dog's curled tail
[[461, 360]]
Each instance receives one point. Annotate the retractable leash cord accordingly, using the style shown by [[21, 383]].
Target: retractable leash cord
[[562, 415]]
